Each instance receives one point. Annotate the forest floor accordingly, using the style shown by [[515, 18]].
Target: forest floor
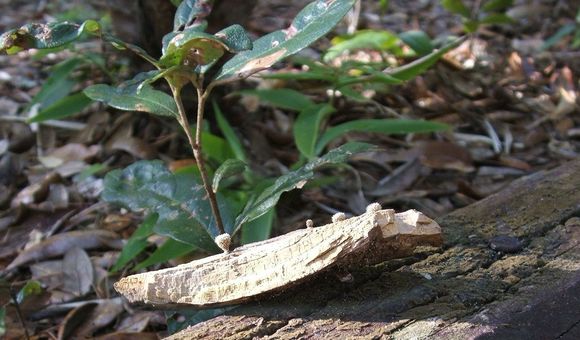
[[512, 107]]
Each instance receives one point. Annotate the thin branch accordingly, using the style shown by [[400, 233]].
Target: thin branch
[[195, 144]]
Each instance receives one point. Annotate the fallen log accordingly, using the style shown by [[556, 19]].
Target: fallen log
[[474, 287], [260, 268]]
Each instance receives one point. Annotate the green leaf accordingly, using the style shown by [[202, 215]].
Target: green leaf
[[457, 7], [307, 127], [266, 200], [313, 22], [63, 108], [559, 35], [497, 19], [193, 47], [258, 229], [229, 134], [191, 13], [365, 39], [215, 147], [169, 250], [184, 211], [496, 5], [31, 288], [58, 85], [385, 126], [411, 70], [229, 168], [137, 242], [283, 98], [419, 41], [131, 98], [43, 36]]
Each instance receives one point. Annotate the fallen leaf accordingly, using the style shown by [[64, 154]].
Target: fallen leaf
[[445, 155], [105, 312], [60, 244], [36, 192], [78, 272], [74, 319]]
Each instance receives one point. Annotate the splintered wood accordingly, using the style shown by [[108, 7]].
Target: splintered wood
[[278, 263]]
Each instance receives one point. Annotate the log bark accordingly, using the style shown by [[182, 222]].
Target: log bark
[[466, 291], [276, 264]]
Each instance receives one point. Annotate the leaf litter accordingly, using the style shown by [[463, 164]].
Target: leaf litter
[[513, 112]]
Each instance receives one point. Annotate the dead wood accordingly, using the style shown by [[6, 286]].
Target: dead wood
[[466, 291], [278, 263]]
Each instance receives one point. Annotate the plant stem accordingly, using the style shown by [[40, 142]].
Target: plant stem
[[195, 144]]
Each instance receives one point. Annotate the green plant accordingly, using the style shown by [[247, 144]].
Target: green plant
[[490, 12], [311, 133], [572, 28], [184, 209]]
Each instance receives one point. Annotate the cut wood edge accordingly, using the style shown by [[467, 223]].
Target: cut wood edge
[[278, 263]]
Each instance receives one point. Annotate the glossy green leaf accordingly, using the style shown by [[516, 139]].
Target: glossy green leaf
[[169, 250], [313, 22], [258, 229], [307, 127], [63, 108], [365, 39], [266, 200], [191, 13], [457, 7], [411, 70], [496, 5], [282, 98], [235, 39], [184, 211], [229, 134], [136, 243], [229, 168], [385, 126], [419, 41], [43, 36], [134, 96]]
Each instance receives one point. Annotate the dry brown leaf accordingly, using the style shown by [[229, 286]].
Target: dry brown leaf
[[78, 272], [69, 152], [60, 244], [105, 312], [445, 155], [136, 322], [74, 319], [36, 192]]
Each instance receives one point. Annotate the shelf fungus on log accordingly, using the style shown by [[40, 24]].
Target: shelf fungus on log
[[272, 265]]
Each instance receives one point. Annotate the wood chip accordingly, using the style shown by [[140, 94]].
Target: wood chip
[[276, 264]]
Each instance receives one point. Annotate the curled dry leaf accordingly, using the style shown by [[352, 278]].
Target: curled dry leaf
[[35, 192], [69, 152], [105, 312], [60, 244]]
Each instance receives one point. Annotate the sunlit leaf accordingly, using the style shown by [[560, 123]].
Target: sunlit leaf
[[365, 39], [313, 22], [31, 288]]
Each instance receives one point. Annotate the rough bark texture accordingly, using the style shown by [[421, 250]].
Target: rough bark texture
[[467, 291], [276, 264]]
